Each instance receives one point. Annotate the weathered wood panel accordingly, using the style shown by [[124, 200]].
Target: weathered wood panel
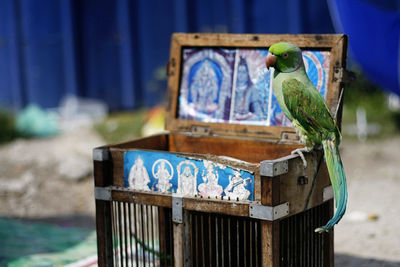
[[335, 43], [270, 189], [103, 177], [303, 188], [253, 151]]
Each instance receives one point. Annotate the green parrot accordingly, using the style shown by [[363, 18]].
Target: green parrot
[[305, 107]]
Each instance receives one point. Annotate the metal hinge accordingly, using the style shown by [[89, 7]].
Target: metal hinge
[[102, 193], [200, 131], [289, 138], [268, 213], [342, 75], [170, 67]]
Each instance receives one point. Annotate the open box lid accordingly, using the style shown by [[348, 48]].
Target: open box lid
[[218, 83]]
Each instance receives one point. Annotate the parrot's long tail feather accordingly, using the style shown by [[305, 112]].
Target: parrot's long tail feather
[[338, 179]]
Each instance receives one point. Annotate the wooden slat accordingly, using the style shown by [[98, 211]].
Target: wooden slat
[[249, 150], [157, 142], [178, 244], [270, 187], [235, 208], [146, 198]]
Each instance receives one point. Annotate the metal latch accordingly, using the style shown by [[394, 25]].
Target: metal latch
[[200, 131], [342, 75], [268, 213]]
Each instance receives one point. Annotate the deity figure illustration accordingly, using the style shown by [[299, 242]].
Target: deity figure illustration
[[205, 78], [243, 92], [187, 179], [248, 103], [210, 187], [236, 188], [138, 177], [162, 174]]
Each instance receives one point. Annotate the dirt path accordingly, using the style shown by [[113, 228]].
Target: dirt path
[[369, 233]]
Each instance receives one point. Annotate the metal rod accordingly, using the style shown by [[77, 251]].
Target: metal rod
[[223, 256], [257, 237], [216, 241], [114, 235], [142, 236], [210, 243], [229, 242], [120, 234], [126, 234], [152, 234], [251, 242], [136, 235], [130, 232]]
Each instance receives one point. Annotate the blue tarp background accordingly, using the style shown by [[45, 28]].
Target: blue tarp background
[[117, 50], [373, 27]]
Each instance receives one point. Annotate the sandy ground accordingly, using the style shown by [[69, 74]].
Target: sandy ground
[[369, 233], [50, 180]]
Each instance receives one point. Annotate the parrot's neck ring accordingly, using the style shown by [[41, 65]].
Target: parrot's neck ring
[[296, 69]]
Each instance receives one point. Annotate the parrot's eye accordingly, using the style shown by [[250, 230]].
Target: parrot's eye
[[285, 55]]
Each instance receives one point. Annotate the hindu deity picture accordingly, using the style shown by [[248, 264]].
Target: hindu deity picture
[[206, 84], [169, 173], [187, 182], [138, 176], [163, 171], [210, 186], [234, 86]]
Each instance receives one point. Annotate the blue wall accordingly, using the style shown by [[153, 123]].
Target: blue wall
[[117, 50]]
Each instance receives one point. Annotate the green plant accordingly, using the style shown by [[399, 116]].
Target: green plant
[[120, 127], [7, 128]]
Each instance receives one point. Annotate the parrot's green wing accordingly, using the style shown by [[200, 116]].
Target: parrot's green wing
[[308, 108]]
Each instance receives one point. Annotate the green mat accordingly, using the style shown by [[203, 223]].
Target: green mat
[[39, 244]]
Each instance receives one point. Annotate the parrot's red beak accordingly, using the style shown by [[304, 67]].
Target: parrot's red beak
[[270, 61]]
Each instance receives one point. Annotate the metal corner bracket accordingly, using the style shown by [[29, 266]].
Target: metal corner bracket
[[268, 213], [101, 154], [272, 168], [102, 193], [327, 194], [177, 209]]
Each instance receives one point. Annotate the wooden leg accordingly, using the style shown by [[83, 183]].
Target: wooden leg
[[104, 233], [270, 243], [178, 245]]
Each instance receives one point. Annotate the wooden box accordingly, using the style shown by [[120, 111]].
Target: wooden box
[[221, 188]]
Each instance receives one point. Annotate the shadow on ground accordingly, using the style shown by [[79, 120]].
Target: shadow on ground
[[344, 260], [54, 241]]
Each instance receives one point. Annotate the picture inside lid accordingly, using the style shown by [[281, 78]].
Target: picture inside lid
[[222, 85]]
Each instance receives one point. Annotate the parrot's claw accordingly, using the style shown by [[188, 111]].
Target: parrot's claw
[[321, 230], [299, 151]]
